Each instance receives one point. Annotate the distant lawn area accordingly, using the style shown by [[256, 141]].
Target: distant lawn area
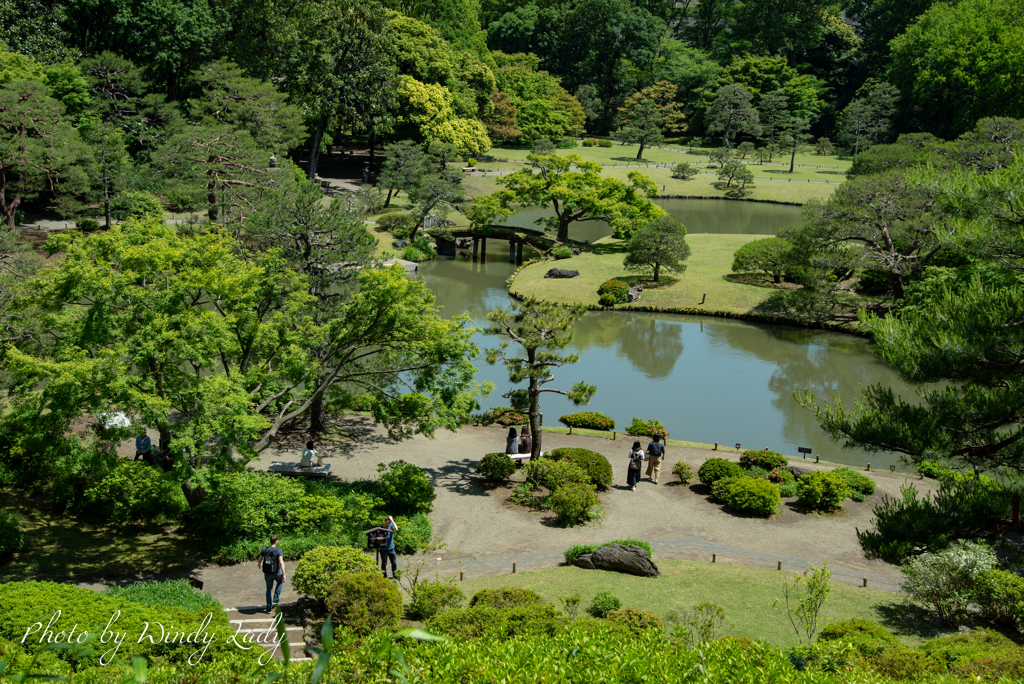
[[744, 593]]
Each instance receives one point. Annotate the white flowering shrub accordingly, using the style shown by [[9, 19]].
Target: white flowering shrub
[[947, 581]]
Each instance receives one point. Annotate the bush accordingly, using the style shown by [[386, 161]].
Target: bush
[[714, 469], [869, 638], [405, 488], [647, 428], [1000, 596], [822, 491], [565, 143], [948, 580], [636, 620], [184, 197], [572, 503], [414, 533], [856, 481], [613, 291], [787, 489], [135, 204], [561, 252], [12, 539], [684, 171], [604, 143], [169, 593], [471, 162], [857, 496], [780, 476], [589, 142], [720, 489], [603, 603], [756, 497], [506, 417], [756, 472], [496, 467], [249, 504], [505, 597], [588, 420], [469, 623], [133, 490], [978, 654], [683, 471], [901, 663], [769, 460], [87, 225], [577, 550], [595, 465], [553, 474], [316, 572], [365, 602], [431, 598], [533, 621], [399, 225]]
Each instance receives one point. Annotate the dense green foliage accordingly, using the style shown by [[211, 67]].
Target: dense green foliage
[[431, 598], [316, 571], [612, 292], [647, 428], [134, 491], [364, 602], [771, 256], [573, 503], [405, 488], [635, 620], [822, 490], [168, 593], [505, 597], [768, 460], [595, 465], [603, 603], [496, 467], [683, 471], [660, 245], [12, 539], [856, 481], [590, 420], [251, 504], [756, 497], [714, 469]]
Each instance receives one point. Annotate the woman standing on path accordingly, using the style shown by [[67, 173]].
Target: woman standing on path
[[636, 457], [512, 442]]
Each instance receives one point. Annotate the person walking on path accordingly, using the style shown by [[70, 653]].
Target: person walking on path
[[271, 561], [525, 440], [655, 455], [389, 552], [636, 457], [512, 442], [143, 446]]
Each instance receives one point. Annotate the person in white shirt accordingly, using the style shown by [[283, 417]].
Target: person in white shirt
[[308, 455]]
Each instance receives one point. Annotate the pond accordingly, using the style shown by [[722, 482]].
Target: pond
[[707, 379]]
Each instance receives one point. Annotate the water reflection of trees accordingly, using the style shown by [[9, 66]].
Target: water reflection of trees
[[650, 343]]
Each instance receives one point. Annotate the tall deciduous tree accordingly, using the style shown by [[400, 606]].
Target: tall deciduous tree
[[643, 126], [732, 113], [867, 120], [575, 190], [541, 329], [661, 244]]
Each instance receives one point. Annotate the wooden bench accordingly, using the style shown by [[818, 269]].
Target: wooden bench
[[520, 459], [293, 469]]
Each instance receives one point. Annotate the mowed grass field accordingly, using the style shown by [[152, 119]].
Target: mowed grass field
[[746, 594]]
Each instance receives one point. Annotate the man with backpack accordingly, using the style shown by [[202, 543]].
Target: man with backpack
[[272, 563], [655, 454]]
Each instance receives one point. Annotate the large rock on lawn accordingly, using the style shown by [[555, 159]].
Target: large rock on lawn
[[797, 471], [629, 559], [561, 273]]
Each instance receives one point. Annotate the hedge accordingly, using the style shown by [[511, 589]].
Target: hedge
[[589, 420], [647, 428]]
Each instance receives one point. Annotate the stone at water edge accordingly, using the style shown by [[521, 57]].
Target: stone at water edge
[[629, 559], [399, 244], [797, 470], [561, 273], [634, 293]]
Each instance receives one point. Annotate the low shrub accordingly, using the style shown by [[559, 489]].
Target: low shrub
[[553, 474], [715, 469], [522, 493], [613, 291], [315, 573], [608, 299], [496, 467], [87, 225], [591, 628], [869, 638], [787, 490], [595, 465], [565, 143], [12, 539], [414, 533], [1000, 595], [720, 489], [470, 161], [604, 143], [684, 171], [135, 204], [978, 654], [947, 581], [781, 475], [903, 664], [683, 471], [533, 621], [248, 504], [505, 597], [176, 593], [399, 225], [756, 497], [574, 503], [133, 490], [603, 603], [506, 417], [365, 602], [469, 623], [822, 491], [856, 481], [562, 252], [589, 420], [647, 428], [577, 550], [589, 142], [756, 472], [431, 598], [769, 460], [405, 488], [857, 496], [636, 620]]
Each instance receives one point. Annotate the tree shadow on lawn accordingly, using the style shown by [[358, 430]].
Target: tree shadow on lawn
[[605, 248], [459, 477], [904, 618], [634, 160]]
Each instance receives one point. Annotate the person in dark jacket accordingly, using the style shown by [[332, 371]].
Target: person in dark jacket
[[525, 440], [512, 442], [636, 459]]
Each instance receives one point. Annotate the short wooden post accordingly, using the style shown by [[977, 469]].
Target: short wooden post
[[513, 568], [570, 429], [614, 433], [460, 576], [714, 558], [865, 581], [780, 565], [816, 458], [869, 467], [716, 447]]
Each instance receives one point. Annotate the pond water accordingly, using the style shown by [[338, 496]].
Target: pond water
[[707, 379]]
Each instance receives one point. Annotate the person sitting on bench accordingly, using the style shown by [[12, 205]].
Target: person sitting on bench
[[308, 455]]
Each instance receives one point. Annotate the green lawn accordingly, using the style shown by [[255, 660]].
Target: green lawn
[[745, 593]]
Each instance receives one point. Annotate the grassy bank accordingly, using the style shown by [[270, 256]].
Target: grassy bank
[[745, 593]]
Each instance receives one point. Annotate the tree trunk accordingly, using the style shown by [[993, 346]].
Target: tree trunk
[[777, 277], [563, 230], [387, 202], [314, 152], [106, 191], [896, 283], [1015, 509], [792, 158], [640, 154], [317, 418], [194, 495], [534, 411], [657, 270]]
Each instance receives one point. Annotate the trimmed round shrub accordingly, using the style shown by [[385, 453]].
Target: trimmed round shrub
[[431, 598], [1000, 595], [856, 481], [12, 539], [720, 489], [603, 603], [780, 476], [613, 291], [683, 471], [823, 491], [869, 638], [134, 490], [636, 620], [496, 467], [607, 299], [562, 252], [318, 569], [604, 143], [753, 496], [572, 503], [589, 142], [405, 488], [505, 597], [553, 473], [714, 469], [87, 225], [590, 420], [135, 204], [647, 428], [769, 460], [365, 602], [595, 465], [399, 225]]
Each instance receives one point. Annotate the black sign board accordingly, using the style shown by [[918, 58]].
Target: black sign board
[[377, 538], [804, 450]]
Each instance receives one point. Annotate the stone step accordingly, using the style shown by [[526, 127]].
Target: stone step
[[252, 620]]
